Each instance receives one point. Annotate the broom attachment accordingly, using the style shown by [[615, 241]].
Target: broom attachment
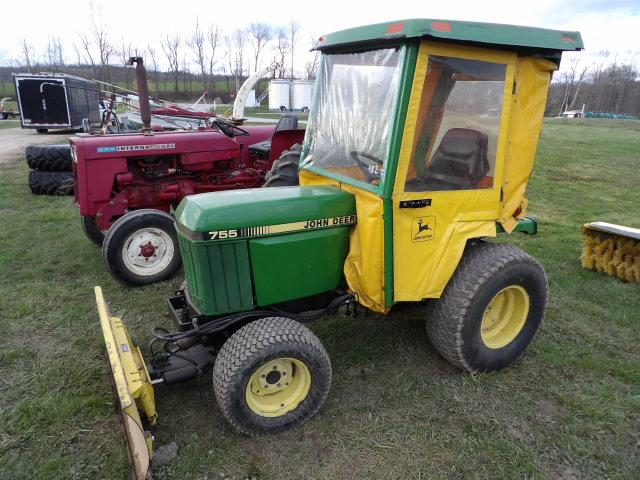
[[612, 249]]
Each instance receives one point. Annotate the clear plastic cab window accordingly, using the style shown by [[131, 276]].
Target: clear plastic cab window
[[349, 129], [457, 126]]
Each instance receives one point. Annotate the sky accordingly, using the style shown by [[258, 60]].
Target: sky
[[612, 25]]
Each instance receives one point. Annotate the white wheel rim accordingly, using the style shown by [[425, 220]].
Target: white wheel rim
[[148, 251]]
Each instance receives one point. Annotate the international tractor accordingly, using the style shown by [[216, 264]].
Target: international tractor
[[126, 185], [420, 144]]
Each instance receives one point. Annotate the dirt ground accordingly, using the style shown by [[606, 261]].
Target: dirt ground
[[13, 141]]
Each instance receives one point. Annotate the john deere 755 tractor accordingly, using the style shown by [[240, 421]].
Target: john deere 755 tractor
[[420, 143]]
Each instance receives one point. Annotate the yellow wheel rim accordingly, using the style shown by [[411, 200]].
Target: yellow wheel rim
[[505, 316], [277, 387]]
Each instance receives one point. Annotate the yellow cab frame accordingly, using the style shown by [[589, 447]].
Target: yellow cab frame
[[384, 265]]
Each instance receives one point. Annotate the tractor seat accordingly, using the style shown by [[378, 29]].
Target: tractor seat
[[459, 163], [286, 122]]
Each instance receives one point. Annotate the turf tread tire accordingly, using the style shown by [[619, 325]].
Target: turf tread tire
[[447, 318], [49, 158], [50, 183], [253, 345], [284, 171]]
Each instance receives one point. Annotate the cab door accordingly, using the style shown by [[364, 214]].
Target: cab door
[[447, 187]]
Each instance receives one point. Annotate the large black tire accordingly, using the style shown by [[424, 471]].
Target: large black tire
[[49, 158], [91, 230], [284, 171], [261, 343], [139, 235], [51, 183], [486, 272], [42, 130]]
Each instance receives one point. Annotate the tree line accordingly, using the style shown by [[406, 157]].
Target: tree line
[[606, 85], [205, 59], [184, 65]]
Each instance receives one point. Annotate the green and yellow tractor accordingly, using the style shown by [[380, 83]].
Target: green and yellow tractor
[[420, 143]]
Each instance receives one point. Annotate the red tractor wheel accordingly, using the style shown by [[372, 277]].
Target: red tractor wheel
[[141, 248]]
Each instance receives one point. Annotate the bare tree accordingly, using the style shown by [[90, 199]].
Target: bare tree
[[186, 73], [311, 67], [213, 36], [235, 50], [259, 36], [281, 49], [100, 57], [154, 64], [572, 81], [25, 51], [55, 57], [294, 29], [124, 53], [171, 46], [198, 44]]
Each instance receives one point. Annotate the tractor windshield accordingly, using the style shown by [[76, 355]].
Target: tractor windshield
[[349, 129]]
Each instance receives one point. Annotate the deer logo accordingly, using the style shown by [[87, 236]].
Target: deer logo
[[423, 228]]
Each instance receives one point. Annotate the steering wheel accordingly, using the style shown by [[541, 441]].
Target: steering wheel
[[369, 164], [230, 130]]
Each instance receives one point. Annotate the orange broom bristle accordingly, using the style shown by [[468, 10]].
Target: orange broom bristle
[[612, 255]]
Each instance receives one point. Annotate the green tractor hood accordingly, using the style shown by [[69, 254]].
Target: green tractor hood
[[247, 210], [243, 249]]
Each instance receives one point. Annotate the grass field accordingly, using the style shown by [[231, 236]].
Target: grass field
[[9, 124], [570, 409]]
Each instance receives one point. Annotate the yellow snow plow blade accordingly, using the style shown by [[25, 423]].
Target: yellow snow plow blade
[[612, 249], [132, 387]]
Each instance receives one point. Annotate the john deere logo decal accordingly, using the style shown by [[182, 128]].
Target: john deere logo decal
[[281, 228], [423, 228]]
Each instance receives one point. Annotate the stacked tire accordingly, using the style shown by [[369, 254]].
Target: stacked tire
[[51, 169]]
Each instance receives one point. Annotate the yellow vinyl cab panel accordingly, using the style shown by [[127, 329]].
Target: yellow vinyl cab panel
[[532, 78], [450, 168], [364, 266]]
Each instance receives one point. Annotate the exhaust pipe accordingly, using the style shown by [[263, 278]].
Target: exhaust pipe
[[143, 92]]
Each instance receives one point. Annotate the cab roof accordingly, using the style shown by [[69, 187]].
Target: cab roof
[[509, 37]]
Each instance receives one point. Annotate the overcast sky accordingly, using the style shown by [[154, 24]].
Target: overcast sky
[[612, 25]]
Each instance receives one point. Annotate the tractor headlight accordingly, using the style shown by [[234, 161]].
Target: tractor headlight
[[74, 153]]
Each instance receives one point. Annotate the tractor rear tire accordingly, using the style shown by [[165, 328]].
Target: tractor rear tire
[[91, 229], [141, 248], [491, 309], [284, 171], [275, 346], [49, 158], [51, 183]]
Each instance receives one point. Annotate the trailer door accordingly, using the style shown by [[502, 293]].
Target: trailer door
[[43, 102]]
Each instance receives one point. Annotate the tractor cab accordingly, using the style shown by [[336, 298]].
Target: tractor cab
[[432, 126], [420, 142]]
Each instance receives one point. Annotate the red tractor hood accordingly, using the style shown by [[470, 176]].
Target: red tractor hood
[[158, 143]]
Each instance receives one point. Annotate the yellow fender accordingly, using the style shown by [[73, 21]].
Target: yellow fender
[[133, 389]]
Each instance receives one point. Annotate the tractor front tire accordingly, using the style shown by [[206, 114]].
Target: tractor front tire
[[491, 309], [272, 375], [141, 248], [49, 158], [284, 171], [50, 183], [91, 229]]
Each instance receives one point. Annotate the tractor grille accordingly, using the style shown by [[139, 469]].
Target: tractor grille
[[218, 275]]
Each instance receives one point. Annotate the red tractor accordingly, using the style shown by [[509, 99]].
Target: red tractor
[[126, 185]]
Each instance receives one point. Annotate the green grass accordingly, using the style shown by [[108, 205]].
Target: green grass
[[9, 124], [569, 409]]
